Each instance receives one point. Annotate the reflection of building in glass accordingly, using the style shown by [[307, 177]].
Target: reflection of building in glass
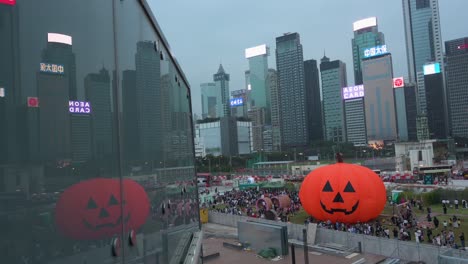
[[81, 137], [366, 35], [457, 85], [291, 91], [333, 75], [98, 93], [131, 136], [275, 118], [221, 79], [314, 104], [355, 121], [210, 99], [379, 98]]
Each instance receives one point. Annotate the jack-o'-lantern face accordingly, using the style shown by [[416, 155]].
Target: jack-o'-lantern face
[[94, 209], [343, 193]]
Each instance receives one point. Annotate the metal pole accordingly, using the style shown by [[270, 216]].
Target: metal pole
[[306, 250], [293, 254]]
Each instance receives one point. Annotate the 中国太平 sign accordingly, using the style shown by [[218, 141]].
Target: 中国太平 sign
[[51, 68], [375, 51]]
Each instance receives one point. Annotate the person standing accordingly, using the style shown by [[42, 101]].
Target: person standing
[[462, 240], [456, 204], [436, 222], [429, 234], [444, 206]]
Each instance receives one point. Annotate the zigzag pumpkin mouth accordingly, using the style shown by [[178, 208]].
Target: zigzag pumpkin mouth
[[109, 225], [337, 210]]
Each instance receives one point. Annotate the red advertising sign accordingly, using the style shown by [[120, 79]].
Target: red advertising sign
[[8, 2], [33, 102], [398, 82]]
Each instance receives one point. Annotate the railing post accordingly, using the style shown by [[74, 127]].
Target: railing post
[[306, 249], [293, 254]]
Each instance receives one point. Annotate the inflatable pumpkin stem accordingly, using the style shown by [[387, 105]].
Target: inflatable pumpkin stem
[[339, 157]]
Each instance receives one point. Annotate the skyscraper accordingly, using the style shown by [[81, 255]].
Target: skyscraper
[[275, 116], [435, 105], [355, 118], [411, 110], [333, 75], [210, 100], [221, 79], [366, 35], [313, 102], [379, 98], [457, 85], [291, 91], [258, 73], [423, 41]]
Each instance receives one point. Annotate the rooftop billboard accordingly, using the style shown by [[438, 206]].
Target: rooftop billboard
[[353, 92], [256, 51], [365, 23]]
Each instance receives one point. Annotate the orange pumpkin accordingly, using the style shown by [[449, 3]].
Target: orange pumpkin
[[345, 193]]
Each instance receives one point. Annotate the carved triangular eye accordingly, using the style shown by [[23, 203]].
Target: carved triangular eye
[[327, 187], [91, 204], [113, 201], [349, 188]]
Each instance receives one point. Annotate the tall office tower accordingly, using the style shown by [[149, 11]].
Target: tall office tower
[[313, 102], [456, 52], [333, 75], [377, 72], [148, 91], [291, 91], [423, 42], [275, 116], [258, 117], [239, 103], [411, 110], [355, 116], [258, 74], [435, 105], [210, 100], [366, 35], [98, 94], [221, 79], [406, 112]]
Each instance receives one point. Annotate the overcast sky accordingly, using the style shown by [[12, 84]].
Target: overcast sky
[[204, 33]]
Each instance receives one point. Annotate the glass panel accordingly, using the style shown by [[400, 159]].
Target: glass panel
[[157, 147], [59, 187]]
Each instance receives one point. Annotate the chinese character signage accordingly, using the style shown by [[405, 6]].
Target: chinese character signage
[[398, 82], [375, 51], [51, 68], [33, 102], [79, 107], [353, 92], [236, 102], [8, 2]]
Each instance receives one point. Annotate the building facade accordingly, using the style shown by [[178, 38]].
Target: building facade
[[457, 85], [291, 91], [411, 110], [423, 41], [313, 101], [435, 105], [275, 114], [87, 173], [379, 98], [221, 80], [366, 35], [334, 78], [211, 100], [259, 95], [355, 121]]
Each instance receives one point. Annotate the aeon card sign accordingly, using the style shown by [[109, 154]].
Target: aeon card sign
[[79, 107], [353, 92], [8, 2]]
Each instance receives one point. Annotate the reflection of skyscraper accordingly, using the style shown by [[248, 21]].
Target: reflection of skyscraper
[[80, 137], [131, 137], [148, 91], [98, 93]]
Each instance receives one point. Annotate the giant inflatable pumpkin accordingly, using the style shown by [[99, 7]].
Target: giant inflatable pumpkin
[[92, 209], [342, 192]]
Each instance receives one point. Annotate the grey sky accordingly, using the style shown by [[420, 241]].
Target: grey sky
[[206, 32]]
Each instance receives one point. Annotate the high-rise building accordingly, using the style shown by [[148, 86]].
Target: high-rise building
[[221, 79], [210, 100], [313, 102], [98, 94], [239, 105], [333, 75], [411, 110], [402, 120], [355, 121], [275, 115], [423, 41], [379, 98], [291, 91], [456, 52], [258, 117], [435, 105], [366, 35], [259, 96], [406, 112]]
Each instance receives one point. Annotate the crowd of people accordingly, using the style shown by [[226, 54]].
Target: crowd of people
[[243, 202]]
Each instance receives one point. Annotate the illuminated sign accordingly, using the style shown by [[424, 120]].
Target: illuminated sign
[[431, 68], [8, 2], [59, 38], [2, 92], [256, 51], [238, 93], [236, 102], [352, 92], [398, 82], [464, 46], [365, 23], [375, 51], [51, 68], [249, 87], [33, 102], [79, 107]]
